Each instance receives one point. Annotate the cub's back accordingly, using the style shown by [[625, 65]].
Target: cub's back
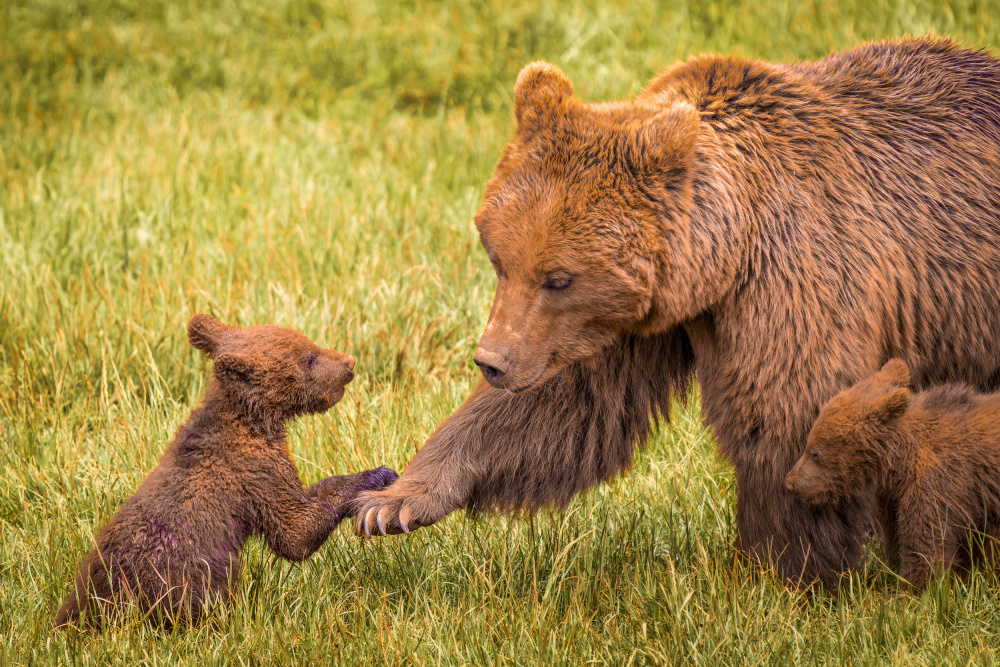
[[955, 418]]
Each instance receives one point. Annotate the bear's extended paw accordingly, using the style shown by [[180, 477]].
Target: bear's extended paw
[[385, 513]]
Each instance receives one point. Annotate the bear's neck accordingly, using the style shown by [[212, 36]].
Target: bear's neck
[[705, 234], [222, 412], [739, 217]]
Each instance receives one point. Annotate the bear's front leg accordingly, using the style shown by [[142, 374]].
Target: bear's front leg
[[916, 570], [523, 451], [805, 542], [438, 481]]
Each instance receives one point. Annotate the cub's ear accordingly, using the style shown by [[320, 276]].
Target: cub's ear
[[235, 367], [206, 333], [890, 406], [895, 374], [539, 91], [668, 141]]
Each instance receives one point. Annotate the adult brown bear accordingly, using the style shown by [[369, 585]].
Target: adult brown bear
[[778, 231]]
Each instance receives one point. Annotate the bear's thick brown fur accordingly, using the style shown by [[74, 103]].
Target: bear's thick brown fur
[[174, 546], [932, 458], [777, 231]]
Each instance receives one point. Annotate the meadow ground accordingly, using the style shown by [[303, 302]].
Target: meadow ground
[[317, 165]]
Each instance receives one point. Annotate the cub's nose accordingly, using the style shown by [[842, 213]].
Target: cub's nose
[[789, 485], [493, 365], [346, 363]]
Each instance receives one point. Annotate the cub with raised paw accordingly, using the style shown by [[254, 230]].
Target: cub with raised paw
[[932, 458], [173, 548]]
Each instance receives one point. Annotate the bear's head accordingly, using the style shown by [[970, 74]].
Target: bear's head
[[271, 372], [574, 221], [850, 443]]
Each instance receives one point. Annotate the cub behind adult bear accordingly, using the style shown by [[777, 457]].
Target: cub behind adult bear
[[173, 548], [932, 458]]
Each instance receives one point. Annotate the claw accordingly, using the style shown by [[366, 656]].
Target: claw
[[378, 520], [368, 522], [404, 518]]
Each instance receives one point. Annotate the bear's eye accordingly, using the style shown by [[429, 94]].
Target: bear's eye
[[497, 266], [815, 456], [311, 360], [557, 283]]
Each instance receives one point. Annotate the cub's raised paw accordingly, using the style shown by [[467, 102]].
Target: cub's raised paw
[[379, 478]]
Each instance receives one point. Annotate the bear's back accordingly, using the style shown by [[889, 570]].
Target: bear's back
[[927, 77]]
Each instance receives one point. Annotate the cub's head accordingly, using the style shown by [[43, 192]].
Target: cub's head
[[573, 221], [271, 371], [849, 443]]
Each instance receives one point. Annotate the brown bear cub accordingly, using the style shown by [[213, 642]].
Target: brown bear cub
[[173, 548], [932, 458]]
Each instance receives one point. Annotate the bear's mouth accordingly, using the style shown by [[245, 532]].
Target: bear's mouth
[[534, 379], [331, 398]]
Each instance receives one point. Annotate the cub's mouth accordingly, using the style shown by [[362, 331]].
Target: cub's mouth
[[329, 399]]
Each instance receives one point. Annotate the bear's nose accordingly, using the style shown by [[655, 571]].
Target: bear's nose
[[493, 365], [789, 485], [350, 362]]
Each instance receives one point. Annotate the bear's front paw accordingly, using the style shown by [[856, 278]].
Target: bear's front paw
[[385, 513]]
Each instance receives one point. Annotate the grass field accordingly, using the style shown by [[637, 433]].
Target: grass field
[[317, 165]]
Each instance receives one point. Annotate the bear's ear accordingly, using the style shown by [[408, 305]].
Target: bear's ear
[[895, 374], [206, 333], [891, 405], [539, 91], [235, 366], [668, 142]]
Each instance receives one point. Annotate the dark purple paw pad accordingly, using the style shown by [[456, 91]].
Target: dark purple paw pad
[[373, 480]]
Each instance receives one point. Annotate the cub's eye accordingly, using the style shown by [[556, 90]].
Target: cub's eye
[[557, 283], [815, 456], [311, 360]]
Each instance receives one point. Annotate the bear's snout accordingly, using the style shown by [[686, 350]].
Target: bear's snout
[[492, 363], [343, 367]]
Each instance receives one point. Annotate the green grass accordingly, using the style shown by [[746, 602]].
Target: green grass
[[318, 165]]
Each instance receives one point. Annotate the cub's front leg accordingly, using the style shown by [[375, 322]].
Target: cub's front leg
[[929, 541], [295, 521]]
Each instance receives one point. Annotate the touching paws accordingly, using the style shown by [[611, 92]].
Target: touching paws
[[341, 492]]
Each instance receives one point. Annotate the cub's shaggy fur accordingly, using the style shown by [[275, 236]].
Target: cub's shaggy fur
[[174, 546], [932, 458], [776, 231]]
